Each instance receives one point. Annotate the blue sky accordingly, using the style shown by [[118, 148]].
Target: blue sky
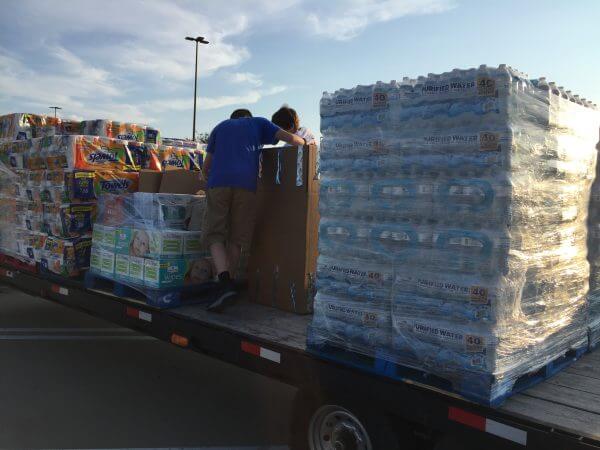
[[127, 60]]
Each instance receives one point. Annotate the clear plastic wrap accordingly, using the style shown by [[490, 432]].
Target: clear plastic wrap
[[594, 259], [142, 241], [456, 205]]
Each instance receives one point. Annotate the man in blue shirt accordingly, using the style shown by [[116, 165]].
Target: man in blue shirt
[[231, 165]]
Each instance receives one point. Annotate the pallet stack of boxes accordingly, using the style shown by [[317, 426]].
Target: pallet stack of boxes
[[453, 227], [142, 241], [52, 175]]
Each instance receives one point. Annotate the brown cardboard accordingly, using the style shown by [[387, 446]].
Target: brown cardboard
[[149, 180], [283, 255], [181, 181]]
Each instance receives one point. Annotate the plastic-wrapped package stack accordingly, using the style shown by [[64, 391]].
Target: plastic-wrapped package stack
[[52, 196], [594, 259], [18, 126], [141, 241], [57, 178], [453, 225]]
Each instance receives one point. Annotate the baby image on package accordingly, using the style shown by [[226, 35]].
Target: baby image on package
[[140, 243], [199, 271]]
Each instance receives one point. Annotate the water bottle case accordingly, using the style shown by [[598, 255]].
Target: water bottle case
[[466, 193]]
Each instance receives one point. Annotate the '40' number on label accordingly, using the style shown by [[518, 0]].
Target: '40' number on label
[[380, 99], [486, 86]]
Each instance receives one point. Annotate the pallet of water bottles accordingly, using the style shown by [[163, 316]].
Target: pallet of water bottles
[[483, 388]]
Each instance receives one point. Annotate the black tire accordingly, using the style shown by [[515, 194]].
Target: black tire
[[383, 433]]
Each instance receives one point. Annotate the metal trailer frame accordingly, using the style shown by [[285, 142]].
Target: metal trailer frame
[[429, 409]]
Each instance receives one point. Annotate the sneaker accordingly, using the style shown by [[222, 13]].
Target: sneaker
[[226, 297]]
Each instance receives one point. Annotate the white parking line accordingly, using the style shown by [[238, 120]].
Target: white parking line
[[72, 337], [65, 330], [277, 447]]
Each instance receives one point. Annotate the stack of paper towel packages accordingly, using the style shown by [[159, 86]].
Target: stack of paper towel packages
[[52, 176], [453, 224]]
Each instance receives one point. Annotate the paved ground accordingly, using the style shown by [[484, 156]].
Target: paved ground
[[68, 380]]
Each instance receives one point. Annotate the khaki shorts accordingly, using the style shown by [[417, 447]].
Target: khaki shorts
[[230, 216]]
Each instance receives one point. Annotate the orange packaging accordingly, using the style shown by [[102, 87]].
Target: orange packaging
[[115, 182], [100, 153], [125, 131], [165, 157]]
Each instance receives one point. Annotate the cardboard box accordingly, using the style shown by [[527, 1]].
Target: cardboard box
[[180, 181], [150, 180], [283, 255]]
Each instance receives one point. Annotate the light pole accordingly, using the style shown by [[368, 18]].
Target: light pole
[[197, 40], [54, 108]]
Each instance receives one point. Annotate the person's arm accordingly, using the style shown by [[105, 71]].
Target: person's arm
[[290, 138], [210, 149], [206, 165]]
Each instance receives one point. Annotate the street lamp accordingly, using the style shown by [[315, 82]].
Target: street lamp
[[197, 40], [54, 108]]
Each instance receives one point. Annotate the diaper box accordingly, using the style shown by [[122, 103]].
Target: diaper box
[[136, 270], [165, 244], [107, 263], [164, 273], [122, 267], [192, 243]]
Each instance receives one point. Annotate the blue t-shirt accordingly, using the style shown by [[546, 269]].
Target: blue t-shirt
[[235, 145]]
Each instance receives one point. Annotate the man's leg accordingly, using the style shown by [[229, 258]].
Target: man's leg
[[233, 258], [218, 211], [243, 218], [219, 256]]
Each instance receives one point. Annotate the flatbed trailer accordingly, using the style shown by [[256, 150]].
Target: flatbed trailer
[[561, 413]]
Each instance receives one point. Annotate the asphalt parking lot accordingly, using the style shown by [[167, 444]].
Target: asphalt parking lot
[[69, 380]]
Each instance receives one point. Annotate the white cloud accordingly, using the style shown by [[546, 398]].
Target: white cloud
[[345, 19], [245, 77], [209, 103], [112, 58]]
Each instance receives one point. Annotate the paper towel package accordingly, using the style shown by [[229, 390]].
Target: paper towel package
[[455, 206]]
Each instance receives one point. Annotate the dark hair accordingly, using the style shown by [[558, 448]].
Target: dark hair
[[239, 113], [286, 118]]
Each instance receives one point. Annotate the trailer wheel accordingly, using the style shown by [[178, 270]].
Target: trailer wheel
[[331, 424]]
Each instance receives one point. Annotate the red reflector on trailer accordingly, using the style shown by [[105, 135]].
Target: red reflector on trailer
[[137, 314], [253, 349], [181, 341], [488, 425], [261, 352], [59, 289], [466, 418]]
